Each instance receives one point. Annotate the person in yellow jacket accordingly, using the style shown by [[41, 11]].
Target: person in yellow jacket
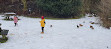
[[42, 23]]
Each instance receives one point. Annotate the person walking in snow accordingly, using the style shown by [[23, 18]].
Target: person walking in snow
[[0, 28], [15, 20], [3, 36], [42, 24]]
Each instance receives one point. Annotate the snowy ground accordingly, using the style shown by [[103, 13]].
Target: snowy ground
[[63, 35]]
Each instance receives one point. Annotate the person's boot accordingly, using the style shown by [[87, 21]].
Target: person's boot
[[42, 32]]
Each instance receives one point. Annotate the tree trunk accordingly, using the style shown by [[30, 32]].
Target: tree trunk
[[25, 5]]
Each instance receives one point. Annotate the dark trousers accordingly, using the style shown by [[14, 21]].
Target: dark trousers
[[42, 29], [15, 24]]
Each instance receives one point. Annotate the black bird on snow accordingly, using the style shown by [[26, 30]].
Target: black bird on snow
[[77, 26], [50, 25]]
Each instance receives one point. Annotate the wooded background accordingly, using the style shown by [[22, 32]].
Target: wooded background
[[59, 8]]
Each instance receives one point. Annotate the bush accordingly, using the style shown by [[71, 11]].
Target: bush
[[60, 8], [3, 40]]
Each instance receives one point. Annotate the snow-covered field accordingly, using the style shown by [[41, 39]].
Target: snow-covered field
[[63, 35]]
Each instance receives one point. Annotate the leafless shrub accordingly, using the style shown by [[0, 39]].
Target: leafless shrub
[[105, 13]]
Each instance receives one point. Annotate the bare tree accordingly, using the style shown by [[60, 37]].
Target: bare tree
[[86, 6], [25, 5], [12, 1], [105, 13]]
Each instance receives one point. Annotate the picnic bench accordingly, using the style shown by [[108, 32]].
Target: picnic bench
[[7, 15], [4, 33]]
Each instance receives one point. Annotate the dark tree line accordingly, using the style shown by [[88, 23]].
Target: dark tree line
[[55, 8], [59, 8], [20, 7]]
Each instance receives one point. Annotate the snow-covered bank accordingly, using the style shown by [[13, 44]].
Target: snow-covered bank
[[63, 35]]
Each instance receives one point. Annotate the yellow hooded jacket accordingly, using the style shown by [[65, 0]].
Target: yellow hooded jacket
[[42, 23]]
